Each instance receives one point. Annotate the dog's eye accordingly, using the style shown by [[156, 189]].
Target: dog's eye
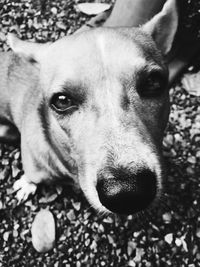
[[153, 85], [62, 103]]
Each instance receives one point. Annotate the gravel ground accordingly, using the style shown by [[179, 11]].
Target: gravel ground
[[169, 236]]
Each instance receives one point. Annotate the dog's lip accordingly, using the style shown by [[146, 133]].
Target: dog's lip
[[142, 212], [139, 214], [145, 212], [95, 204], [101, 209]]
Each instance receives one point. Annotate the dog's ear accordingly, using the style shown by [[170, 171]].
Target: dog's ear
[[163, 26], [34, 51]]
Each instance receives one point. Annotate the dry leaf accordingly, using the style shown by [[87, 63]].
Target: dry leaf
[[93, 8], [43, 231], [191, 83]]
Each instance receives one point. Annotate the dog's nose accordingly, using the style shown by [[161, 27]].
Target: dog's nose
[[125, 193]]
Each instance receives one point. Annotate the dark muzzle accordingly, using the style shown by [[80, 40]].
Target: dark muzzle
[[123, 192]]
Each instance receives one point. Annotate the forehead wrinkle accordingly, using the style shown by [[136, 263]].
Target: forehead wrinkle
[[116, 64], [117, 54], [101, 45], [109, 92], [113, 83]]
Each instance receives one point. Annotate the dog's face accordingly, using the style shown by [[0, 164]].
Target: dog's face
[[106, 96], [111, 110]]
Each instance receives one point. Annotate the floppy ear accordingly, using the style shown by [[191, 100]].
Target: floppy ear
[[163, 26], [34, 51]]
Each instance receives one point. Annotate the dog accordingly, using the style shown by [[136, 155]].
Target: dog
[[92, 107]]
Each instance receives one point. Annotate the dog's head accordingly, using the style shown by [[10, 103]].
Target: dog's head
[[105, 93]]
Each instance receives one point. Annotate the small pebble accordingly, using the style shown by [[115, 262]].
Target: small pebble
[[131, 263], [198, 232], [131, 247], [2, 37], [6, 236], [76, 205], [167, 217], [54, 10], [178, 242], [43, 231], [71, 215], [169, 238]]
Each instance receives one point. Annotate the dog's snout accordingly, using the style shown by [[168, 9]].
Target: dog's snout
[[126, 193]]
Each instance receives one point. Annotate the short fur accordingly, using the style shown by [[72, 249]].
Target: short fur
[[113, 126]]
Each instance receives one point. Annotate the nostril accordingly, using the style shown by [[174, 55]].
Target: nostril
[[146, 188], [127, 193]]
